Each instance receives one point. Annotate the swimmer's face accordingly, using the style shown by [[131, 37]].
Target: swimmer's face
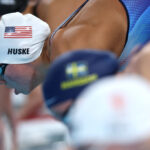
[[19, 77]]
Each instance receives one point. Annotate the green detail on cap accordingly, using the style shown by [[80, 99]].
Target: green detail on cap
[[78, 82]]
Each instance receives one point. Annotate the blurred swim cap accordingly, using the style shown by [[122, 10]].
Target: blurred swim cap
[[9, 6], [114, 110], [70, 73]]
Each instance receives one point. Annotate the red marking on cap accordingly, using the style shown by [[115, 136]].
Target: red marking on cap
[[118, 102]]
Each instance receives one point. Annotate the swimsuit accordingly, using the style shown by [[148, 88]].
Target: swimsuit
[[139, 27]]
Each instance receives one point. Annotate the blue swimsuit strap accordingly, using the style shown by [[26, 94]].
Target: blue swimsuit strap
[[63, 24]]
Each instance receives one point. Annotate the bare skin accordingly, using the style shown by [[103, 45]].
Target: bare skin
[[5, 100], [101, 25], [33, 104], [86, 30], [79, 33], [140, 62], [93, 30], [55, 12], [7, 110]]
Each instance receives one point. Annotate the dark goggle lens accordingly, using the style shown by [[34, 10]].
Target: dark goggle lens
[[2, 69]]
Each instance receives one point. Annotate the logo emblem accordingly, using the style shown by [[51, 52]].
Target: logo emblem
[[76, 69], [118, 102], [18, 32], [18, 51]]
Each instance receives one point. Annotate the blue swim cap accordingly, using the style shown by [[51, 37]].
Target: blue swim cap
[[70, 73]]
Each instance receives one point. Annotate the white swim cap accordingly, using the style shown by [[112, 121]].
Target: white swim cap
[[113, 110], [21, 38]]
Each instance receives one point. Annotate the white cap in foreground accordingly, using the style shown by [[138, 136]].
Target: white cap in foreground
[[21, 38], [115, 110]]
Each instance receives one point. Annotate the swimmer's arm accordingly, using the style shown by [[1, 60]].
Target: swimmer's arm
[[105, 37], [99, 25], [54, 12]]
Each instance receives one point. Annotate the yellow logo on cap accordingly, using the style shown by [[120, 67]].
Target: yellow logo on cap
[[78, 75], [78, 82], [76, 69]]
